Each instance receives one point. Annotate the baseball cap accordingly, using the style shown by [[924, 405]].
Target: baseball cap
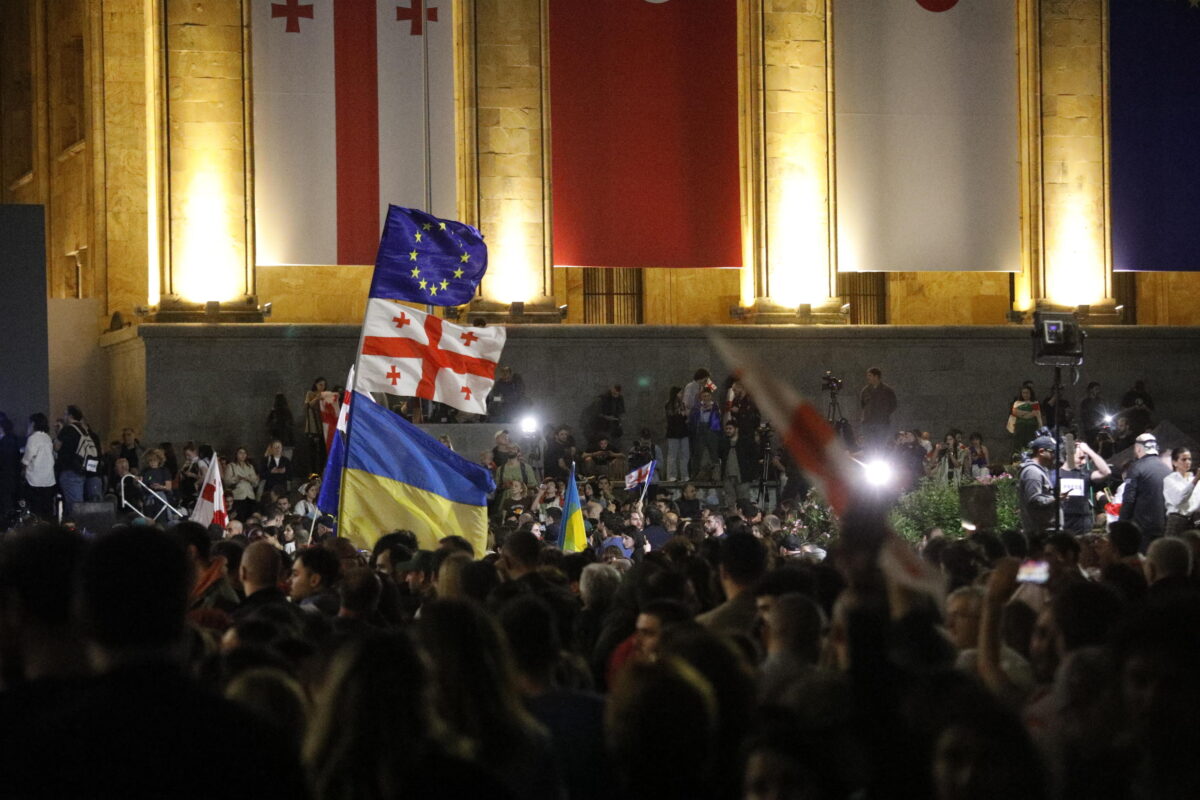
[[1148, 442], [1042, 443]]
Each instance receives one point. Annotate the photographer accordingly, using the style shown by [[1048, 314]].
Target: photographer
[[877, 401]]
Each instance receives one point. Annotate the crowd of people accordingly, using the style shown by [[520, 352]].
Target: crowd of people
[[702, 646], [716, 660]]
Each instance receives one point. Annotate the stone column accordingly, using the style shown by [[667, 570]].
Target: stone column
[[512, 152], [1075, 264], [128, 152], [207, 122], [788, 126]]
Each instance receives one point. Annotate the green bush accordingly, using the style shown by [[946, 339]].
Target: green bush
[[931, 505], [935, 505], [1008, 516]]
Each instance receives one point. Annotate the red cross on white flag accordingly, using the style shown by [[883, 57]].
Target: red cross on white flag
[[210, 504], [430, 358], [346, 95]]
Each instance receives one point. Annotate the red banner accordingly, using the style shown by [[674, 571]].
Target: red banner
[[644, 133]]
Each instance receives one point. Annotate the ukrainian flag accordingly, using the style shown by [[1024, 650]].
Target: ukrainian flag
[[572, 538], [398, 476]]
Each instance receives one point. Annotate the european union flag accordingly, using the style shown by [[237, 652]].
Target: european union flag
[[423, 259]]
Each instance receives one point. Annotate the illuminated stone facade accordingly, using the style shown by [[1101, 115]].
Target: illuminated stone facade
[[128, 120]]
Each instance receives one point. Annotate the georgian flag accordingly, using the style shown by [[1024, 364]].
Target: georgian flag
[[353, 109], [413, 354], [640, 475], [210, 505]]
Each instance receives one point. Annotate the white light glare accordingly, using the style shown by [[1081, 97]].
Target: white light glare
[[878, 473], [529, 425]]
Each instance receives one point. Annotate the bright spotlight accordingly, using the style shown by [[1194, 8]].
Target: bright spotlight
[[878, 473], [529, 425], [1108, 418]]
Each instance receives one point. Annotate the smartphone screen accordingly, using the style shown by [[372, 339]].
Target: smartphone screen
[[1033, 572]]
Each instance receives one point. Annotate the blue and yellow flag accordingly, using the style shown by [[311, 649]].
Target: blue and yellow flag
[[398, 476], [572, 537]]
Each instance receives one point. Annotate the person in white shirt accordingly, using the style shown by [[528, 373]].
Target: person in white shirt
[[39, 467], [1182, 502]]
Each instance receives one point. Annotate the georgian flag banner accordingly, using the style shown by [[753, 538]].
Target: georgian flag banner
[[353, 109], [414, 354], [210, 504]]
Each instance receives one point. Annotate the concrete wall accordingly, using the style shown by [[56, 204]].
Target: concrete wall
[[78, 371], [216, 383]]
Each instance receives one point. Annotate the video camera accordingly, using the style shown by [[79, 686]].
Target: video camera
[[830, 383]]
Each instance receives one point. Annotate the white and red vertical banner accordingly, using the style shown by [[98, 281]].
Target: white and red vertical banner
[[644, 133], [925, 93], [353, 110]]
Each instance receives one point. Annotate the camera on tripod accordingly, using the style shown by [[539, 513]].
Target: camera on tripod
[[831, 383]]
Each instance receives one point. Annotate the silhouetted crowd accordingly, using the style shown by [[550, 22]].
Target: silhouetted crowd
[[719, 661]]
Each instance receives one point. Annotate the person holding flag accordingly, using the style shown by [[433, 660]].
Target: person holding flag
[[393, 474], [642, 476], [210, 504], [572, 535]]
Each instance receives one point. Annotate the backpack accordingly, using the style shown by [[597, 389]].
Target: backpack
[[87, 452]]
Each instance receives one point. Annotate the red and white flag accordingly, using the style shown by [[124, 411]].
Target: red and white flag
[[210, 504], [640, 475], [414, 354], [343, 418], [353, 109]]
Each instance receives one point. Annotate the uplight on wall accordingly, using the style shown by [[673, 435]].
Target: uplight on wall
[[798, 250], [1075, 256], [515, 260], [208, 262]]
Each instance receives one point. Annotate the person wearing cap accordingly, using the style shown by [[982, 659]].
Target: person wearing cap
[[1143, 501], [1036, 491], [418, 573]]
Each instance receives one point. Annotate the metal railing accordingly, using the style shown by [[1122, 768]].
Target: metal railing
[[166, 505]]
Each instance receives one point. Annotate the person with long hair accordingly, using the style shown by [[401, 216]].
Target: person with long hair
[[374, 732], [240, 478], [678, 447], [475, 691], [314, 426], [38, 462], [1025, 417]]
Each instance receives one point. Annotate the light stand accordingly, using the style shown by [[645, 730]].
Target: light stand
[[1058, 343]]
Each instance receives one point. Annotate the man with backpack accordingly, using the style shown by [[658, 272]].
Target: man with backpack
[[79, 461]]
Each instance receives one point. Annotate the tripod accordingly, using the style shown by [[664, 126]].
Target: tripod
[[833, 412], [764, 473], [837, 420]]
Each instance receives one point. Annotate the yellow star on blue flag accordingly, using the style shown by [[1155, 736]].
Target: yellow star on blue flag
[[452, 257]]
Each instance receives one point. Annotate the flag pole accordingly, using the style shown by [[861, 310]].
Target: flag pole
[[353, 390]]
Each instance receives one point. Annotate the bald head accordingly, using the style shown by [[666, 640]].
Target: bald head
[[260, 567], [1168, 557]]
